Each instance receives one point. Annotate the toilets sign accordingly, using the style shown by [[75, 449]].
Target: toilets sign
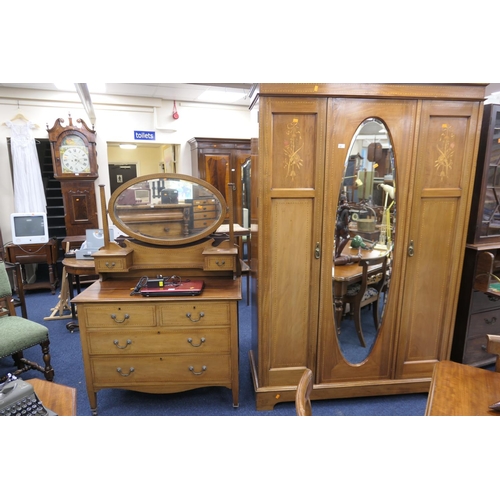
[[143, 135]]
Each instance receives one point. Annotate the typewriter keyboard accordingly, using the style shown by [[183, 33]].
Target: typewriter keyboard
[[26, 407]]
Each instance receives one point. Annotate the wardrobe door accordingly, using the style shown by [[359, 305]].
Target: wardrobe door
[[335, 366], [290, 202], [441, 193]]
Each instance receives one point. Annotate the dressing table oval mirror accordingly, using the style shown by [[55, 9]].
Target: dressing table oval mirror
[[364, 236], [167, 209]]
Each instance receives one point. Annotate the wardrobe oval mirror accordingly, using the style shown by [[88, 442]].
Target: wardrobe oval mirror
[[364, 236], [167, 209]]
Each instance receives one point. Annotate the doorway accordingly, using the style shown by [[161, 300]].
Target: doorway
[[121, 173]]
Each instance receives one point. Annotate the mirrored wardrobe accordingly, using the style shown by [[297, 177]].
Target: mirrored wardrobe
[[363, 195]]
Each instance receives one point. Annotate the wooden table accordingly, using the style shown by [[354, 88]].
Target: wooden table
[[462, 390], [343, 276], [76, 268], [59, 398], [45, 253], [240, 232]]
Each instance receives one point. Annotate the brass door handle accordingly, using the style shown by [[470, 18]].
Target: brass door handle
[[411, 251], [317, 251]]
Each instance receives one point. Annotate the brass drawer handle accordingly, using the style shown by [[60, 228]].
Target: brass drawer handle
[[113, 316], [190, 340], [220, 264], [491, 321], [203, 368], [110, 265], [117, 342], [119, 370], [201, 315]]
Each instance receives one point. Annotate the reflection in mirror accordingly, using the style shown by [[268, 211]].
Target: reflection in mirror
[[364, 236], [167, 209]]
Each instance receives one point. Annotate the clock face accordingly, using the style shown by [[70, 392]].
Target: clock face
[[75, 159]]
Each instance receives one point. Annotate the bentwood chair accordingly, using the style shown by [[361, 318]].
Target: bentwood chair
[[368, 291], [303, 394], [18, 334]]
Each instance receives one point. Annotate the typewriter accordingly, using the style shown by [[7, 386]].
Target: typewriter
[[17, 398]]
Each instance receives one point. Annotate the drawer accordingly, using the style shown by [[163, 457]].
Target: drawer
[[110, 265], [475, 351], [106, 261], [159, 229], [484, 323], [133, 342], [131, 370], [200, 313], [200, 205], [118, 316], [211, 215], [201, 224], [481, 301], [219, 263]]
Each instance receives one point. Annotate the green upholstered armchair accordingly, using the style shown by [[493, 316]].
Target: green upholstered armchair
[[18, 334]]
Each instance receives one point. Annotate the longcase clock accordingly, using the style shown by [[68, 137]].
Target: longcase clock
[[74, 159]]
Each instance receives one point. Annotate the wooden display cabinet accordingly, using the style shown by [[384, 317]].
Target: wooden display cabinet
[[478, 312], [218, 162]]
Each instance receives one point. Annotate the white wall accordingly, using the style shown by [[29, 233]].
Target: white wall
[[116, 121]]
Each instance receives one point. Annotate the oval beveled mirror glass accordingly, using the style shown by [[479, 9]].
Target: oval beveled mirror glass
[[364, 236], [167, 209]]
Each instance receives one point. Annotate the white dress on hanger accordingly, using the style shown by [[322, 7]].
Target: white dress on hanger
[[29, 195]]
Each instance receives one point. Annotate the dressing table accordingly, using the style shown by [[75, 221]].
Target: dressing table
[[162, 344]]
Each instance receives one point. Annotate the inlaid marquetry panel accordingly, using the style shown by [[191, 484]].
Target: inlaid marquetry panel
[[293, 151]]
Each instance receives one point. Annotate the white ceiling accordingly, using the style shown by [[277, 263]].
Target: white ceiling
[[176, 91], [168, 91]]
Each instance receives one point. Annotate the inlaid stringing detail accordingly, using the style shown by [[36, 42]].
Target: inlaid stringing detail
[[445, 148], [293, 145]]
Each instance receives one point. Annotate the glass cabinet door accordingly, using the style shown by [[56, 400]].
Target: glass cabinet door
[[490, 222]]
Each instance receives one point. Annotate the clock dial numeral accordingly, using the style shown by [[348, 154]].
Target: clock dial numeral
[[75, 160]]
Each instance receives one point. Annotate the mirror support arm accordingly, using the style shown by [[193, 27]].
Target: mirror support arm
[[105, 224], [232, 187]]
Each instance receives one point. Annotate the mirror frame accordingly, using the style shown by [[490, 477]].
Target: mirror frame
[[351, 352], [159, 241]]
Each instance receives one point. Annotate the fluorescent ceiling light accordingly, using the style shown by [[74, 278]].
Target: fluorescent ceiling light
[[221, 95], [128, 146]]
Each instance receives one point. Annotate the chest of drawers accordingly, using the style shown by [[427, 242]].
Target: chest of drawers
[[162, 344]]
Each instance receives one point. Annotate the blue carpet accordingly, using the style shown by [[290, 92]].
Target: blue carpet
[[212, 401]]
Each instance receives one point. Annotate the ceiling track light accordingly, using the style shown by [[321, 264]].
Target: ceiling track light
[[84, 94]]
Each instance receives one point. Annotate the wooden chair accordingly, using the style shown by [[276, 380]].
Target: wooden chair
[[14, 271], [18, 334], [367, 291], [303, 394]]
